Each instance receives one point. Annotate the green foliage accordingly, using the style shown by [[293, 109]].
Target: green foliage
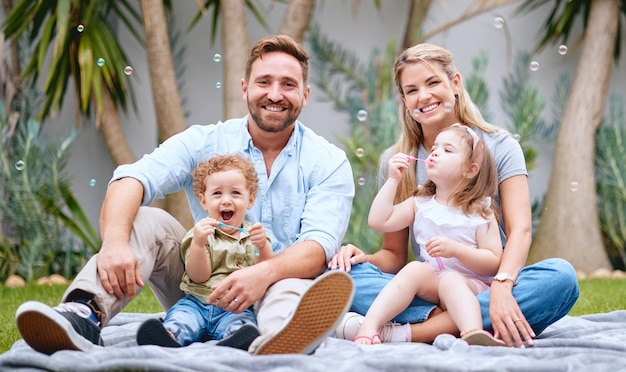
[[214, 7], [84, 49], [476, 85], [523, 103], [42, 222], [562, 20], [611, 180], [367, 95]]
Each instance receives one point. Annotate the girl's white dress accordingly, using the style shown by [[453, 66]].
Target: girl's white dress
[[435, 219]]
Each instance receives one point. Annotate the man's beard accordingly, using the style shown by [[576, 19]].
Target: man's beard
[[272, 126]]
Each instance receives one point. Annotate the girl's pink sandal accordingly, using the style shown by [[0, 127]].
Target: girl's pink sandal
[[371, 338]]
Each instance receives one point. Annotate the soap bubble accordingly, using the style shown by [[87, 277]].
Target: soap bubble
[[498, 22], [218, 85], [361, 115], [359, 152], [573, 186], [20, 165], [128, 70], [534, 66], [100, 62], [562, 50], [517, 137], [447, 106], [80, 28], [92, 182], [217, 57], [361, 181]]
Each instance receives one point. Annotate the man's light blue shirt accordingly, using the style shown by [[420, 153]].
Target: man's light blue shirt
[[307, 195]]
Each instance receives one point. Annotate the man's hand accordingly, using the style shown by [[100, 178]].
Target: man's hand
[[246, 286], [119, 270]]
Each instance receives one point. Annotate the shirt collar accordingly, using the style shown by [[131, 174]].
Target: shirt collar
[[294, 139]]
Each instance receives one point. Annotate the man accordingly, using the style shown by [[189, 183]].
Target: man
[[304, 202]]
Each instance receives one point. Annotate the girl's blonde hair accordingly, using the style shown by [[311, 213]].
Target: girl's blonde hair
[[412, 135], [471, 193]]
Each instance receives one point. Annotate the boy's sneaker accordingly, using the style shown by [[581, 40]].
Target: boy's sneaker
[[391, 332], [64, 327], [152, 332], [242, 338], [320, 310]]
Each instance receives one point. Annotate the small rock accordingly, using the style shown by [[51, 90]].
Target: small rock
[[15, 281], [618, 274], [55, 279], [601, 273]]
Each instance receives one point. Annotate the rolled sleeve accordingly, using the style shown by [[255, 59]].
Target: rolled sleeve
[[328, 205]]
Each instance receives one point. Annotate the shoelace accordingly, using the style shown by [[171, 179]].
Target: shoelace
[[81, 310]]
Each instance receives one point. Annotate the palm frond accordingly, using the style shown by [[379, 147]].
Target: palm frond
[[562, 19]]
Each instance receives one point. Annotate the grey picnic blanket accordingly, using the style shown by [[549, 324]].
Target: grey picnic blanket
[[594, 342]]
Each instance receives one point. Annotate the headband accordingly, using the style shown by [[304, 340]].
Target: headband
[[477, 156]]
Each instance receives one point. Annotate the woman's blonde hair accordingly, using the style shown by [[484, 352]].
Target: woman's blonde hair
[[471, 193], [411, 133]]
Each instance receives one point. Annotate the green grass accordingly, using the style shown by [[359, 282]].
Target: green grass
[[596, 296]]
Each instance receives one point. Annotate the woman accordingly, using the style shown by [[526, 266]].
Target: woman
[[522, 301]]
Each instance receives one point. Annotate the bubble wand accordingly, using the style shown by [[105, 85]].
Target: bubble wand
[[414, 158], [242, 229]]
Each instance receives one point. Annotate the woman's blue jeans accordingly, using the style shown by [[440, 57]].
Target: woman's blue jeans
[[191, 320], [545, 292]]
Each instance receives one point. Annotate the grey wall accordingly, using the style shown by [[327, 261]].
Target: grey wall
[[358, 29]]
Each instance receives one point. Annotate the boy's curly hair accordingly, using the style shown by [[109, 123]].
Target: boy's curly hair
[[220, 163]]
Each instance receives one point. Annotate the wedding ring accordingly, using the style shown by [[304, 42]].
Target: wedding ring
[[235, 300], [517, 320]]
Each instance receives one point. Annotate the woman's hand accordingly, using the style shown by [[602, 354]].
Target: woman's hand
[[348, 255], [507, 320]]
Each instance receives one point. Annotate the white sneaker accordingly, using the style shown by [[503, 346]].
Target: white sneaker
[[391, 332]]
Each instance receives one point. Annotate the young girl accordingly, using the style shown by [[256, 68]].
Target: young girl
[[456, 229]]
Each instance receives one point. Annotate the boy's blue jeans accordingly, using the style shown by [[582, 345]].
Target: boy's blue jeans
[[190, 320], [545, 292]]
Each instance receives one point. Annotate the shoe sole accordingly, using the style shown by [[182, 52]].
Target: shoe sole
[[319, 312], [152, 332], [46, 331], [242, 338], [482, 338]]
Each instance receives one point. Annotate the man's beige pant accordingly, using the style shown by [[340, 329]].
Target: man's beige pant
[[155, 240]]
